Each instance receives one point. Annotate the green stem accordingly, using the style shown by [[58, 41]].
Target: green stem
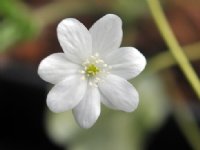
[[166, 59], [173, 45]]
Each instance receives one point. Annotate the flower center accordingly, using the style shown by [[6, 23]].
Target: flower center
[[94, 69]]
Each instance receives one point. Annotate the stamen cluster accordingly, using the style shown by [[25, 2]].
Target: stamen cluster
[[94, 69]]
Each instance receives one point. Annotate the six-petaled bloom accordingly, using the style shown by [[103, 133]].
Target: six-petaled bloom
[[92, 69]]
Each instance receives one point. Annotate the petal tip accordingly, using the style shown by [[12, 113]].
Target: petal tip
[[68, 21], [112, 15], [142, 59], [86, 124], [134, 106], [41, 70], [52, 105]]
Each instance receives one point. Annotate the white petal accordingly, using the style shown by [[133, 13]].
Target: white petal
[[88, 110], [126, 62], [66, 94], [118, 93], [75, 40], [106, 34], [56, 67]]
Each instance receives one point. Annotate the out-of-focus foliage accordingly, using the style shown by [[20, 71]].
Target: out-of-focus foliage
[[130, 9], [114, 129], [15, 24]]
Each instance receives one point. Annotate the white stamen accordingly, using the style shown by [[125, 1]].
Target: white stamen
[[82, 71], [95, 77]]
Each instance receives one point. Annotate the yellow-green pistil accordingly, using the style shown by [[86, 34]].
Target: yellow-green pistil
[[92, 70]]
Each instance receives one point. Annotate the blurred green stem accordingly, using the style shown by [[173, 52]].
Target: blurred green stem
[[166, 59], [180, 111], [174, 47]]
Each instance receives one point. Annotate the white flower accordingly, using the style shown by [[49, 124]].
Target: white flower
[[92, 69]]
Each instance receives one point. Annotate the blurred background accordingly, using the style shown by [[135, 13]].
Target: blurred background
[[168, 115]]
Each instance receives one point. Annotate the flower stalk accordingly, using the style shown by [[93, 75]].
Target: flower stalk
[[166, 59], [174, 47]]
